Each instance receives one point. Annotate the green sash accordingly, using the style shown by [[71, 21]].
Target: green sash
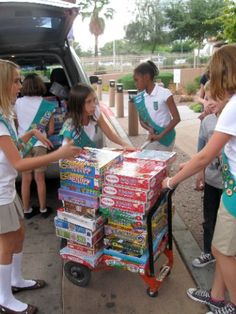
[[79, 136], [10, 129], [40, 122], [229, 193], [139, 102]]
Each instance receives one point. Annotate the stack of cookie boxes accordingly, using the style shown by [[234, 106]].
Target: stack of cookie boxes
[[78, 220], [130, 189]]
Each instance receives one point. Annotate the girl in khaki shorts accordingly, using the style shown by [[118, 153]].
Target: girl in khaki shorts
[[222, 68], [11, 212]]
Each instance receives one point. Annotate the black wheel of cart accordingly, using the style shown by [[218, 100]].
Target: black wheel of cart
[[63, 243], [77, 273], [152, 294]]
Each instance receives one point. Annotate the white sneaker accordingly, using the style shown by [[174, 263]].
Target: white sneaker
[[203, 260]]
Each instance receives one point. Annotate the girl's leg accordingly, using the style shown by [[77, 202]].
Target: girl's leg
[[218, 286], [41, 188], [25, 190], [7, 248], [17, 279], [227, 267]]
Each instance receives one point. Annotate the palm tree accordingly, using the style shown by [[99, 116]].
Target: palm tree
[[97, 23]]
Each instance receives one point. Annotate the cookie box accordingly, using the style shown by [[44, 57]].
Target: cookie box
[[141, 174], [80, 210], [78, 198], [162, 158], [79, 180], [84, 249]]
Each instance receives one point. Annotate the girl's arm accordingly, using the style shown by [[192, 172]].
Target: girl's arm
[[40, 136], [14, 158], [110, 133], [51, 126], [200, 160], [173, 122]]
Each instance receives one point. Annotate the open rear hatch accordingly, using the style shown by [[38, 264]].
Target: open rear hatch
[[35, 25]]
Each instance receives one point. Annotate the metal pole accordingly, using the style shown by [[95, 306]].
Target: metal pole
[[119, 101], [112, 85], [99, 88], [132, 115]]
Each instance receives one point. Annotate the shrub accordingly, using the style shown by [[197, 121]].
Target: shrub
[[128, 81], [191, 88], [196, 107]]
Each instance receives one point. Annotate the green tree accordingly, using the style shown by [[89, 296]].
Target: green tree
[[148, 27], [97, 11], [228, 20], [195, 19]]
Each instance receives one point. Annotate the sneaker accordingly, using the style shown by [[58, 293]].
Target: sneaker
[[33, 211], [203, 260], [204, 297], [46, 212], [228, 308]]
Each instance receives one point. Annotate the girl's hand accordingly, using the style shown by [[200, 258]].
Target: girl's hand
[[42, 138], [154, 137], [200, 181], [69, 151], [129, 148]]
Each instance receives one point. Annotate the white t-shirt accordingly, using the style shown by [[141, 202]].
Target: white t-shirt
[[7, 173], [227, 124], [26, 109], [156, 105]]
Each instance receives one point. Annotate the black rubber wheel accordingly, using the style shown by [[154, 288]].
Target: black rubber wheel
[[63, 243], [77, 273], [151, 293]]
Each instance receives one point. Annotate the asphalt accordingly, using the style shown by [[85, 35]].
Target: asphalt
[[115, 291]]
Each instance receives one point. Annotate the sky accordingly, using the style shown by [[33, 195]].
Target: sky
[[114, 28]]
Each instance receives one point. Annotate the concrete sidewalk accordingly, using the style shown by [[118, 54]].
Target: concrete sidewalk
[[114, 291]]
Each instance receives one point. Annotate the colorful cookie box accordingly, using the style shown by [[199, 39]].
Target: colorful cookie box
[[92, 162], [89, 261], [80, 238], [80, 210], [83, 190], [144, 258], [78, 198], [162, 158], [127, 205], [117, 262], [141, 174], [79, 180], [86, 222], [129, 193], [84, 250]]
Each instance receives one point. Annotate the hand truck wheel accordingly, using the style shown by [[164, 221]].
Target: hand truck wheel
[[77, 273], [152, 294]]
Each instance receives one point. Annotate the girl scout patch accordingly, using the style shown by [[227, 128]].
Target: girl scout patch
[[155, 105]]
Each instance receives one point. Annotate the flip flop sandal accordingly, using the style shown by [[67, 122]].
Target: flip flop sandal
[[38, 285], [29, 310]]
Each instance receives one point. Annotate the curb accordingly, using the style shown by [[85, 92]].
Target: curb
[[183, 238]]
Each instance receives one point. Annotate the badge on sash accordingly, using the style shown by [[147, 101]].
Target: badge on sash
[[155, 105]]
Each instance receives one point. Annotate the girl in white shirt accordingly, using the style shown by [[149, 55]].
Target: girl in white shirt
[[11, 211], [156, 106], [84, 118]]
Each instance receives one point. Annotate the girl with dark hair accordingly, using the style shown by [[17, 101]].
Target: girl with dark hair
[[156, 107], [84, 118]]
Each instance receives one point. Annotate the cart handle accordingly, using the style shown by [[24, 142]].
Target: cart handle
[[166, 193]]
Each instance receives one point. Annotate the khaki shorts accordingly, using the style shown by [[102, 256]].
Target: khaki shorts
[[11, 215], [224, 239], [35, 152]]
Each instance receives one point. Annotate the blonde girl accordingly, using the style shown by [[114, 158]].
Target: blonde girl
[[222, 70], [11, 212]]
